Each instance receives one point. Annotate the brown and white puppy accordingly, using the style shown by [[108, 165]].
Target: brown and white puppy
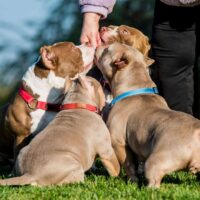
[[142, 127], [45, 81], [67, 147], [125, 35]]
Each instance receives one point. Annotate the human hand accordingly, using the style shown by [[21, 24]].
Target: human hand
[[90, 29]]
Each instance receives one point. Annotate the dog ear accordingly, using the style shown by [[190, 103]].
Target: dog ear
[[145, 46], [120, 60], [68, 84], [49, 58], [124, 31], [149, 61]]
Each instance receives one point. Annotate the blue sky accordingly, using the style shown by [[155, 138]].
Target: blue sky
[[17, 14]]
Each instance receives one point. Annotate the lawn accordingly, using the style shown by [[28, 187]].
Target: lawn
[[99, 185]]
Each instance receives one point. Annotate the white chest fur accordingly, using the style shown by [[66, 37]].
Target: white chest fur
[[50, 90]]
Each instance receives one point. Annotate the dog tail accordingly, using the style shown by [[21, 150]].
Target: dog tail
[[21, 180]]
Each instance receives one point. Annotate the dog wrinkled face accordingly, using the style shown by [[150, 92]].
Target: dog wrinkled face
[[118, 57], [103, 61], [125, 35], [93, 89], [64, 58], [110, 59], [87, 88]]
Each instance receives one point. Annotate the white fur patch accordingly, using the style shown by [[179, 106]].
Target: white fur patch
[[50, 90], [88, 56]]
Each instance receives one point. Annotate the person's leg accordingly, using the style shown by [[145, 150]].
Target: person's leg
[[173, 48], [196, 107]]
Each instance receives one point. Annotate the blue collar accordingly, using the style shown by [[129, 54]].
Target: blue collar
[[133, 93]]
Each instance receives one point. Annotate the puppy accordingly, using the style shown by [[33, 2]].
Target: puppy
[[41, 92], [142, 126], [125, 35], [67, 147]]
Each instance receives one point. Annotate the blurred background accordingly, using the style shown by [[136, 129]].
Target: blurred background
[[25, 26]]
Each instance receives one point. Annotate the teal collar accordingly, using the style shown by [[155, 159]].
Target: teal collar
[[133, 93]]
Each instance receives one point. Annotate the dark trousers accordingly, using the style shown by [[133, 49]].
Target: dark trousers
[[175, 48]]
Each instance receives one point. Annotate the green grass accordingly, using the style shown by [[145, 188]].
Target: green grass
[[181, 185]]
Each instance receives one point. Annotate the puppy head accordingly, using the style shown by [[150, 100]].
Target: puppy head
[[66, 59], [125, 35], [119, 57], [85, 89]]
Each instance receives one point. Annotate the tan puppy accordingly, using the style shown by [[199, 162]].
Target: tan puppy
[[44, 82], [67, 147], [143, 128], [125, 35]]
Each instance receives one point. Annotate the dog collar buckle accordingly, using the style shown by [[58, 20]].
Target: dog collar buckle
[[33, 104]]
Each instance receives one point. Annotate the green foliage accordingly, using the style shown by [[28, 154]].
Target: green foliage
[[137, 13]]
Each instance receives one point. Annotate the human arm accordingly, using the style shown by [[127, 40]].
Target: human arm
[[93, 11]]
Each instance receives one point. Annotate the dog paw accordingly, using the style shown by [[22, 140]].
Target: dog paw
[[153, 185]]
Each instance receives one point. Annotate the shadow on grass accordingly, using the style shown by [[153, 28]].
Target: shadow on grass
[[181, 177], [172, 180], [97, 169], [175, 178]]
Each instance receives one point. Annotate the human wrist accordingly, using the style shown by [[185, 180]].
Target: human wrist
[[92, 17]]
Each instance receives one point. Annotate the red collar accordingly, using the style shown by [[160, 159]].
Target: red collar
[[34, 104], [79, 105]]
